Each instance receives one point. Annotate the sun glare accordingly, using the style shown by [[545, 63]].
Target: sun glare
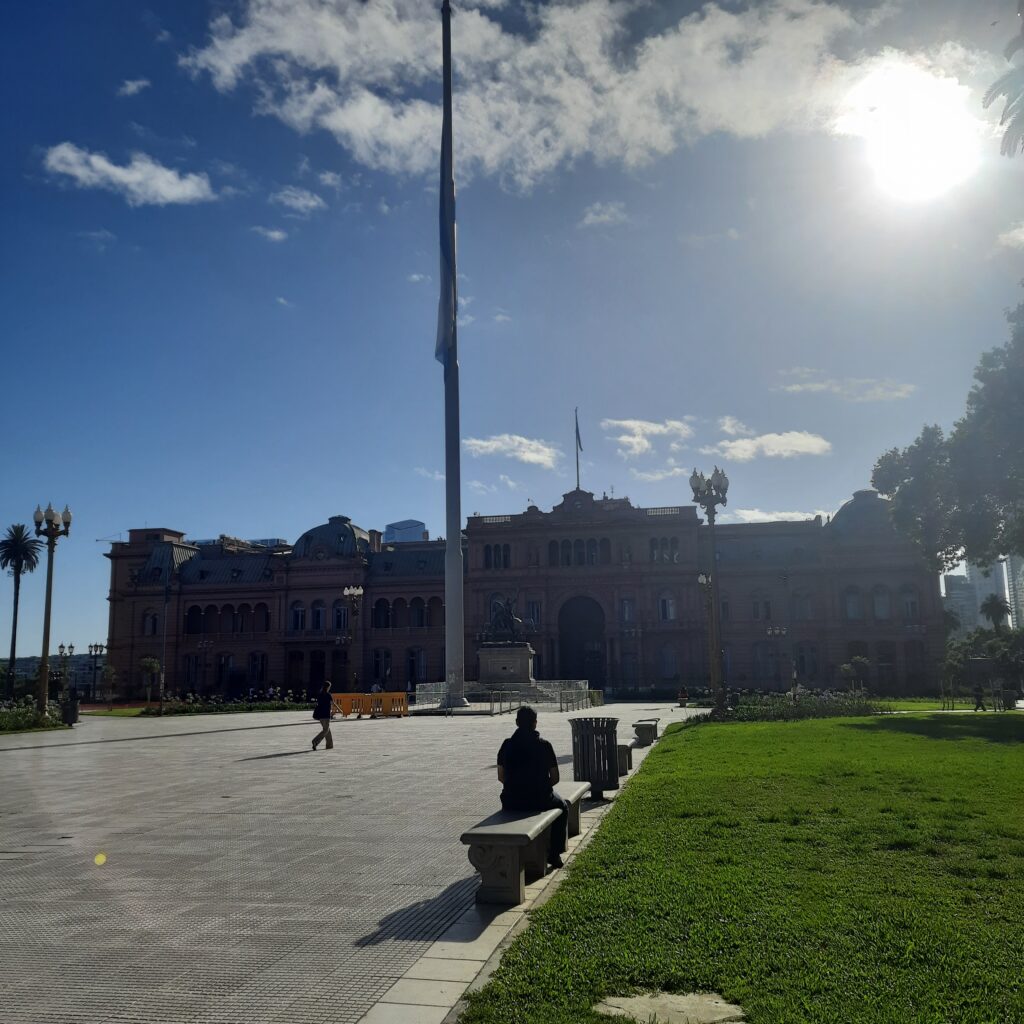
[[920, 137]]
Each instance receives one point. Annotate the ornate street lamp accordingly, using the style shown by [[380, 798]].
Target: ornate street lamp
[[57, 524], [354, 596], [95, 650], [709, 493]]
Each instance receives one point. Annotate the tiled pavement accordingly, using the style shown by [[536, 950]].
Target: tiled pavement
[[247, 878]]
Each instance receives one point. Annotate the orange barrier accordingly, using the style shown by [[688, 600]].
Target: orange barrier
[[373, 705]]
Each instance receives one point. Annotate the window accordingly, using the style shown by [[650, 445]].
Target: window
[[591, 552], [261, 618], [852, 607], [806, 661], [579, 553], [417, 613], [606, 551], [381, 664], [488, 557], [627, 609], [318, 619], [654, 549], [673, 547], [191, 669], [298, 616], [553, 552], [533, 613], [257, 667], [803, 610], [910, 605], [566, 552], [881, 604], [194, 620], [765, 662], [339, 614], [416, 665], [150, 623], [667, 608], [381, 615]]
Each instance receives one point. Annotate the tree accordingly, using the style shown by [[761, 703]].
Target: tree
[[995, 608], [110, 678], [962, 496], [19, 554], [861, 670], [1010, 86], [150, 666]]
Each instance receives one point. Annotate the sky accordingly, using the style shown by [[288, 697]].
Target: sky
[[772, 236]]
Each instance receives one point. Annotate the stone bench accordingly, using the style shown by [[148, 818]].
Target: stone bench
[[509, 845], [626, 756], [646, 731]]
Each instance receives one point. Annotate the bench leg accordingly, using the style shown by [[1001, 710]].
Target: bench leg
[[502, 874], [573, 823], [623, 759], [535, 856]]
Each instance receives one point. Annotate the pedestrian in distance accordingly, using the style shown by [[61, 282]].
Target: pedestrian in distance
[[322, 713], [979, 698], [528, 771]]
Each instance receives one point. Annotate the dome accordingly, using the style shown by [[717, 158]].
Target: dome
[[866, 512], [337, 538]]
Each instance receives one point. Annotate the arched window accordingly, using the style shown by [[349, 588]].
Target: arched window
[[910, 605], [654, 549], [606, 551], [806, 662], [566, 552], [435, 613], [339, 615], [881, 604], [381, 615], [150, 622], [673, 546], [663, 544], [667, 607], [399, 614], [668, 663], [506, 556], [853, 609], [194, 620], [261, 618], [211, 619], [553, 552], [227, 619], [579, 555], [318, 616], [244, 618], [417, 614], [298, 616], [488, 557], [591, 552]]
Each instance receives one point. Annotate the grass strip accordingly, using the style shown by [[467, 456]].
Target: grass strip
[[854, 870]]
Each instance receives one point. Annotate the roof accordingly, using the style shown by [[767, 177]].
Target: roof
[[337, 538], [425, 559], [224, 569]]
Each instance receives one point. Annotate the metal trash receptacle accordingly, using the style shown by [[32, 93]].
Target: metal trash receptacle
[[595, 754]]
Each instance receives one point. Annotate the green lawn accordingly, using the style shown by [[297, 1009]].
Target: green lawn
[[925, 703], [844, 870], [117, 713]]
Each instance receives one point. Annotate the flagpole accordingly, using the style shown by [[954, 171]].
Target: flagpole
[[576, 445], [454, 632]]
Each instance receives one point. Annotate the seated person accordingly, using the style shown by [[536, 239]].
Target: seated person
[[528, 770]]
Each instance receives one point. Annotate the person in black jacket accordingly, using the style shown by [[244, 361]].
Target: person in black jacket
[[528, 770], [322, 713]]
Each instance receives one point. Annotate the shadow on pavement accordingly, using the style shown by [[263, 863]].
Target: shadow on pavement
[[1006, 727], [426, 919], [286, 753]]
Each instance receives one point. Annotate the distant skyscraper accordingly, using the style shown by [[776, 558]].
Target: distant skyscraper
[[406, 531], [962, 600], [1015, 587], [989, 580]]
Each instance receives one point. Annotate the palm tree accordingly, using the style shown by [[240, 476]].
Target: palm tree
[[995, 609], [19, 553], [1011, 86]]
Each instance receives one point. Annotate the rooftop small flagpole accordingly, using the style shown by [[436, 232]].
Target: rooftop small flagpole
[[579, 446], [447, 352]]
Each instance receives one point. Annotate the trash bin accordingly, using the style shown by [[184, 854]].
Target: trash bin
[[69, 711], [595, 755]]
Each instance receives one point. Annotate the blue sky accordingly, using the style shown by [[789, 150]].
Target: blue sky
[[219, 257]]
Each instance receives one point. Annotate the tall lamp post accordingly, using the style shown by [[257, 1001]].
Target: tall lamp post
[[95, 650], [354, 596], [772, 632], [57, 524], [65, 651], [709, 493], [203, 646]]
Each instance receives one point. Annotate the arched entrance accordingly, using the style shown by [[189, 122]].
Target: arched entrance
[[581, 647]]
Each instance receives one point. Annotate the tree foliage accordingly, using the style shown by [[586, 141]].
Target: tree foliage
[[19, 554], [1010, 88], [962, 495]]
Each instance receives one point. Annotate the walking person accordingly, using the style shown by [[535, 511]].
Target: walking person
[[528, 771], [979, 698], [322, 713]]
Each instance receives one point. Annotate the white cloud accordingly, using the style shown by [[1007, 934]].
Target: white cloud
[[330, 179], [634, 437], [695, 240], [654, 475], [101, 239], [479, 487], [282, 301], [143, 182], [787, 445], [133, 86], [734, 427], [508, 482], [501, 316], [429, 474], [606, 214], [270, 234], [301, 200], [575, 84], [851, 389], [755, 515], [531, 451], [1013, 238], [418, 278]]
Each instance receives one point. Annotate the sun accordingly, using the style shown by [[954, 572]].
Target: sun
[[920, 137]]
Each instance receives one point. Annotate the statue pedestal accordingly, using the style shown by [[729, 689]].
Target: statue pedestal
[[506, 666]]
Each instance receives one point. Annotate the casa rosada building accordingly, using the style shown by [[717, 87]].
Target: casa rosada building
[[608, 592]]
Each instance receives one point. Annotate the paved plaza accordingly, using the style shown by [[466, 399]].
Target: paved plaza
[[247, 878]]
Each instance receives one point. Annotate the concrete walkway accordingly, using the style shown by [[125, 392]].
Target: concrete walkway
[[247, 878]]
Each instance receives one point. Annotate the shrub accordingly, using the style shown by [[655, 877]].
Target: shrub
[[783, 707], [230, 707], [15, 716]]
